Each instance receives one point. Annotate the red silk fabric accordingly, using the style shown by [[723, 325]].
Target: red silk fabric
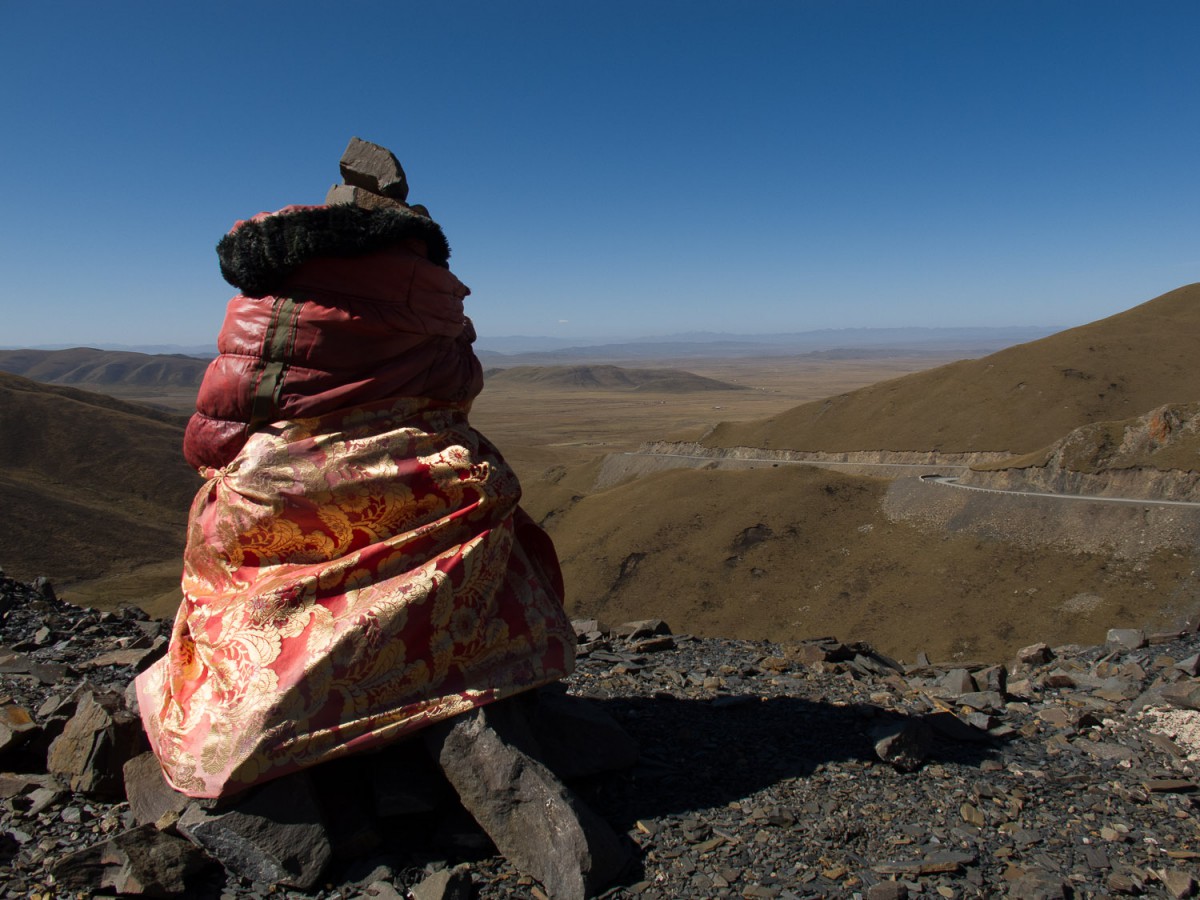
[[349, 579]]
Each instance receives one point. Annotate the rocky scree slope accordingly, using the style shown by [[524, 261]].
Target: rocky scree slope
[[813, 769]]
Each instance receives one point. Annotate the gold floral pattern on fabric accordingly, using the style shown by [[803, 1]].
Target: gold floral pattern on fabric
[[348, 580]]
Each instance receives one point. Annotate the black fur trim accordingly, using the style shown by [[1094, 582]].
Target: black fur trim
[[257, 256]]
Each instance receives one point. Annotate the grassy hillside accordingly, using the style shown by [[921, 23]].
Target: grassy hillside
[[1017, 400], [104, 368], [795, 552], [91, 486]]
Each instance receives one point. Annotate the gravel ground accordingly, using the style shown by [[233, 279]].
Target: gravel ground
[[1073, 774]]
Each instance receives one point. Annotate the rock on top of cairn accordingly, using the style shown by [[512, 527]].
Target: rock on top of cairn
[[375, 169], [348, 195]]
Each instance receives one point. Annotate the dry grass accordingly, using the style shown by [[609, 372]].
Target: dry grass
[[92, 487], [788, 553]]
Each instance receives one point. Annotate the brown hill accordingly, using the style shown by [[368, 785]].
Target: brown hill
[[97, 368], [1017, 400], [90, 486], [792, 552], [609, 378]]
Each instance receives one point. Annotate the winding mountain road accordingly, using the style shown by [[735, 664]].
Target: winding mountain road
[[933, 478], [1092, 498]]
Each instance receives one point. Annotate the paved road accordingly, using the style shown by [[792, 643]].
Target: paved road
[[936, 478], [953, 482], [798, 462]]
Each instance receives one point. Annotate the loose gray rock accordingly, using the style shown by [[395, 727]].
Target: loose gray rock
[[959, 681], [1038, 884], [1183, 694], [1035, 654], [1126, 638], [904, 743], [643, 628], [446, 884], [143, 861], [274, 835]]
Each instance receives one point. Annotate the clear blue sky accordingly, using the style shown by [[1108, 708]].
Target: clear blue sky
[[614, 168]]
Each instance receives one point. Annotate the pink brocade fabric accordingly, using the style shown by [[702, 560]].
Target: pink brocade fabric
[[348, 580]]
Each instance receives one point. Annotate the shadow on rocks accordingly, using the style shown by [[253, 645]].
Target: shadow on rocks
[[698, 754]]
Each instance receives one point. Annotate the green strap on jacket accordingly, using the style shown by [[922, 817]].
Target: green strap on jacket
[[279, 342]]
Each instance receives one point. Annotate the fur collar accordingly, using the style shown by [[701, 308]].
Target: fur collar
[[258, 254]]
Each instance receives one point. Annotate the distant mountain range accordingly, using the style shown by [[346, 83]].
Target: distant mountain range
[[177, 366], [847, 342], [90, 367], [531, 349]]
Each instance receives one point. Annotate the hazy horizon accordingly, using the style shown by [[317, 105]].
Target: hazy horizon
[[488, 342]]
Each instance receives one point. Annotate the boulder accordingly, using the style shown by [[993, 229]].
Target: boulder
[[95, 745], [273, 835], [149, 795], [903, 743], [533, 819], [1125, 638], [577, 738]]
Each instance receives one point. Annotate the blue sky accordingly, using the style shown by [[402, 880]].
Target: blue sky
[[617, 168]]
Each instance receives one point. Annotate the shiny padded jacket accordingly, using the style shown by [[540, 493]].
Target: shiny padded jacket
[[339, 306]]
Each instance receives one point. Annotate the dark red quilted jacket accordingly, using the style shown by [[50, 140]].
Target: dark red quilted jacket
[[334, 332]]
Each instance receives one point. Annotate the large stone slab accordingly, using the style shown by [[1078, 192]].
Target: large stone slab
[[531, 816], [149, 795], [274, 835], [349, 195]]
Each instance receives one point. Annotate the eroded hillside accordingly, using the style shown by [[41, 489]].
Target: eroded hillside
[[1155, 456], [90, 486]]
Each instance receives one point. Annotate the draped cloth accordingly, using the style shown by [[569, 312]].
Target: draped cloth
[[348, 580]]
